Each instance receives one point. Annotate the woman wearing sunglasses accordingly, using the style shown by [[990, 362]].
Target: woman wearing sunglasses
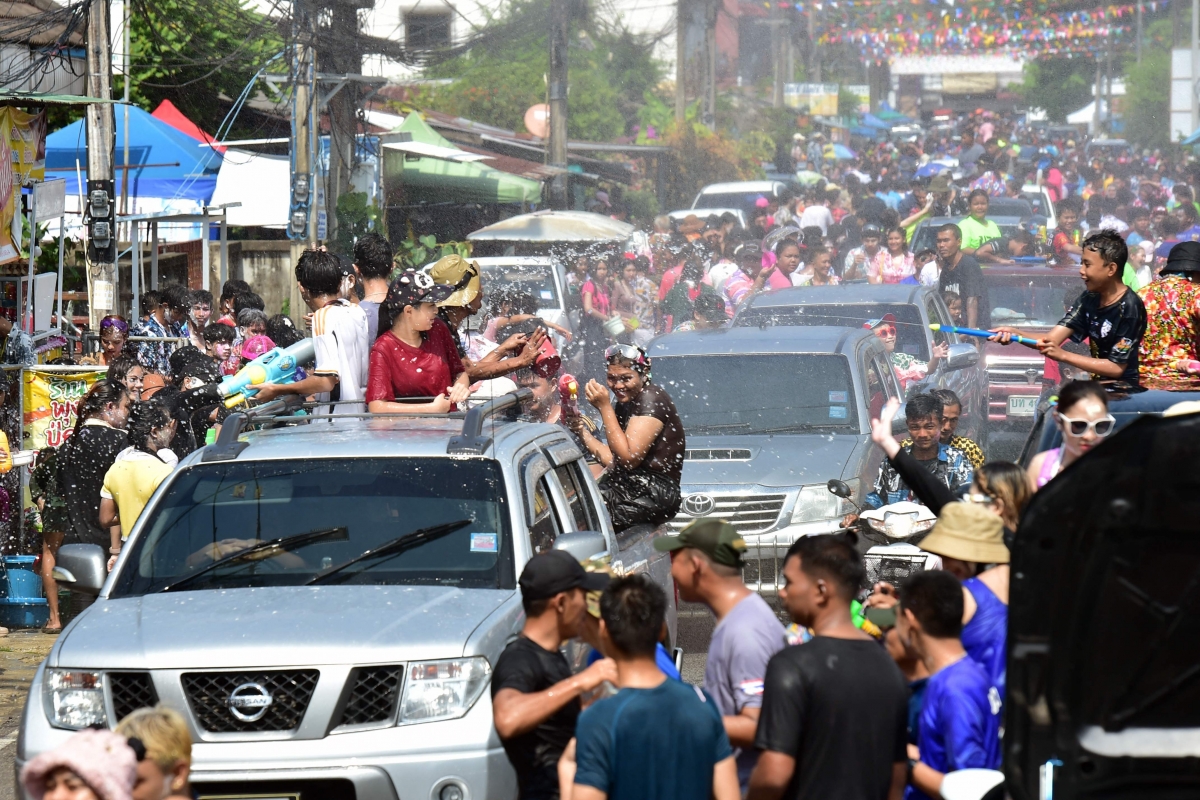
[[1082, 416], [643, 458]]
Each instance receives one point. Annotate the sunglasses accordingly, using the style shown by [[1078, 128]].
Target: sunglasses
[[1078, 427], [885, 330]]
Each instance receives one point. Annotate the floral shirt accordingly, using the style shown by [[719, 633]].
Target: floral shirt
[[734, 290], [893, 268], [969, 449], [1172, 327], [868, 266], [908, 369], [645, 293], [951, 467]]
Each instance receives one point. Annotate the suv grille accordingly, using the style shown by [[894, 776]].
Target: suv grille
[[748, 513], [716, 454], [374, 695], [130, 691], [1026, 371], [208, 694]]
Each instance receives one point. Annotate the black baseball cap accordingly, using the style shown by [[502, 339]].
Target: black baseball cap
[[549, 573], [716, 538]]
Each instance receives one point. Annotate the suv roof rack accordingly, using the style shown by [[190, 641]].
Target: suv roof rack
[[472, 441], [281, 411]]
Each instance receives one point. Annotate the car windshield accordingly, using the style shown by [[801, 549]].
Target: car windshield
[[347, 506], [912, 336], [792, 393], [1038, 201], [743, 200], [536, 280], [925, 237], [1029, 302]]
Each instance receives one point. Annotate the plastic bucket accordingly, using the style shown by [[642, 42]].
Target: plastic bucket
[[22, 582], [33, 613], [614, 325]]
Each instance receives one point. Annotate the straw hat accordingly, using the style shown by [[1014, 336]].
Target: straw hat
[[968, 532], [459, 273]]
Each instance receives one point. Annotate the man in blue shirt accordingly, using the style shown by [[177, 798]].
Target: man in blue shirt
[[656, 737], [960, 717]]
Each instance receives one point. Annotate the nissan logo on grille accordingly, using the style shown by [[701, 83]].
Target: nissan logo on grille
[[699, 505], [249, 702]]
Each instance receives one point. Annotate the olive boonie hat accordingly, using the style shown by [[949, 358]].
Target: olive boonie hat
[[968, 532], [459, 274], [716, 538]]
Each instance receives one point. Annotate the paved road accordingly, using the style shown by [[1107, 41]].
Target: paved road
[[20, 654]]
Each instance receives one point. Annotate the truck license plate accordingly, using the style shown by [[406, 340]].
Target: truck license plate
[[1024, 405]]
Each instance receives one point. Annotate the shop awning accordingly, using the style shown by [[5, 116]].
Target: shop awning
[[436, 180]]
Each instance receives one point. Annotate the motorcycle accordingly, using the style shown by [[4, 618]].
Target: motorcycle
[[891, 534]]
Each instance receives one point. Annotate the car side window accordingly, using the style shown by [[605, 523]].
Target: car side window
[[939, 315], [545, 528], [579, 500], [887, 378]]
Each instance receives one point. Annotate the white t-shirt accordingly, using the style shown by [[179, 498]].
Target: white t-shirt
[[343, 348], [818, 215]]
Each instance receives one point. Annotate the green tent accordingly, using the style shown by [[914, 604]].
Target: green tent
[[434, 180]]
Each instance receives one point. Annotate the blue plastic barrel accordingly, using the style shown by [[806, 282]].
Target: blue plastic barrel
[[22, 605]]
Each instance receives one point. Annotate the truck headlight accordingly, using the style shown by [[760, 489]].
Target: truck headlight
[[435, 690], [74, 699], [817, 503]]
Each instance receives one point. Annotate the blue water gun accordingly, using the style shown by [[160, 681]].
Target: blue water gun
[[275, 366], [981, 334]]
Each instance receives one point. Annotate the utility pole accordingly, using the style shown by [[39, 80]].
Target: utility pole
[[1108, 79], [302, 224], [815, 74], [680, 51], [712, 11], [1096, 100], [556, 154], [1195, 64], [776, 56], [100, 205], [340, 54], [1139, 31]]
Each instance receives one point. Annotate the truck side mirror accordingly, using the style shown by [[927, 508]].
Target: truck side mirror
[[961, 356], [582, 545], [82, 567]]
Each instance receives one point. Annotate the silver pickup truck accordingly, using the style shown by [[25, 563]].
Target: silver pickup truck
[[323, 601]]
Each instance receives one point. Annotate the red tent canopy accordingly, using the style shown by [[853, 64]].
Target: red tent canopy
[[168, 113]]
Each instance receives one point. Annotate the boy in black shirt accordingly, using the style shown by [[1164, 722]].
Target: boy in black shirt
[[1108, 314], [835, 709], [535, 698]]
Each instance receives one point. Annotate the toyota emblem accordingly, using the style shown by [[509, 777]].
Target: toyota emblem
[[699, 505], [249, 702]]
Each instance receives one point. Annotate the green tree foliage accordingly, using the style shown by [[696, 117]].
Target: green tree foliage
[[496, 81], [1058, 85], [1148, 100], [192, 51]]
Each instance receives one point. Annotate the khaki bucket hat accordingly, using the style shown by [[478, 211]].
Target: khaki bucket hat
[[968, 532]]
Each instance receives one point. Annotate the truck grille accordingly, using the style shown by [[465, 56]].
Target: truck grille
[[716, 454], [1025, 371], [130, 691], [374, 695], [748, 513], [209, 694]]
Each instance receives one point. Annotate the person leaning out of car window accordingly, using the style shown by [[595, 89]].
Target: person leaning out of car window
[[643, 457]]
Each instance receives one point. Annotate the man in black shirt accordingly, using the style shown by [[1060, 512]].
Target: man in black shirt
[[1108, 314], [535, 698], [960, 273], [834, 712]]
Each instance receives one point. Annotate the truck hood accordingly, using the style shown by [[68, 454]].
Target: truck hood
[[776, 461], [276, 626]]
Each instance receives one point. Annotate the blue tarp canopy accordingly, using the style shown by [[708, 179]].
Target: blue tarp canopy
[[872, 121], [1193, 139], [151, 141]]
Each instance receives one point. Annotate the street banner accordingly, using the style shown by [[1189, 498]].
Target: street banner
[[49, 400], [820, 99], [22, 159]]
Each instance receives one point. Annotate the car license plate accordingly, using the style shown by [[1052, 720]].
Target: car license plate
[[1022, 405]]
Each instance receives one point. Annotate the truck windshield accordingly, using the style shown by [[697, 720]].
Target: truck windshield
[[792, 393], [744, 201], [536, 280], [335, 510], [912, 335], [1030, 302]]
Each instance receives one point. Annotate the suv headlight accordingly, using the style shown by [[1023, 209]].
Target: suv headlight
[[817, 503], [74, 699], [435, 690]]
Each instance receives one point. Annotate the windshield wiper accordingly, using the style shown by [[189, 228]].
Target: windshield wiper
[[725, 426], [803, 427], [394, 547], [283, 544]]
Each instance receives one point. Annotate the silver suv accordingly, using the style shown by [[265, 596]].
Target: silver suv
[[324, 602]]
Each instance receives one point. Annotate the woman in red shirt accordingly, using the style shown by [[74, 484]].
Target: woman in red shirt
[[413, 357]]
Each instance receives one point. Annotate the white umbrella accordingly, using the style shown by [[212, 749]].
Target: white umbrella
[[555, 226]]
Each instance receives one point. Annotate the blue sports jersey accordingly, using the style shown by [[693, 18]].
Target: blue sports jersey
[[960, 721]]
